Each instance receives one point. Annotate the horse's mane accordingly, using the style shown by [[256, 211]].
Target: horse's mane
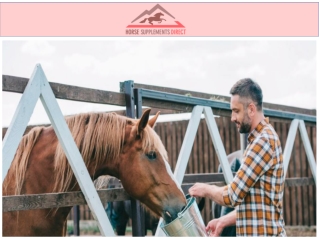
[[20, 161], [99, 137]]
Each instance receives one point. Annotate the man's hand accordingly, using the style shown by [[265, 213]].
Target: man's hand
[[215, 227], [199, 190], [210, 191]]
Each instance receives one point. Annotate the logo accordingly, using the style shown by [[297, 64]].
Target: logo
[[156, 21]]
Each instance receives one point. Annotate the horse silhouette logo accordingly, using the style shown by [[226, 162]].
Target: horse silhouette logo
[[153, 18], [157, 18]]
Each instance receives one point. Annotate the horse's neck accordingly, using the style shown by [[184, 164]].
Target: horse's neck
[[39, 176], [39, 179], [40, 173]]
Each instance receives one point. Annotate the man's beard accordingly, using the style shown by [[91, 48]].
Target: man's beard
[[245, 125]]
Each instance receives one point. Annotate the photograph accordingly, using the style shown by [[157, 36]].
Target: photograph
[[188, 128]]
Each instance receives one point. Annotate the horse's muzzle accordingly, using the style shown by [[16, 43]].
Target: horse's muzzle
[[171, 212]]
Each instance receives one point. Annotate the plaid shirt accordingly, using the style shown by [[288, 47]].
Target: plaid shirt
[[257, 188]]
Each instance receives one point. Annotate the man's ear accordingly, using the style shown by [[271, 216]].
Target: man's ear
[[252, 109], [143, 121], [152, 121]]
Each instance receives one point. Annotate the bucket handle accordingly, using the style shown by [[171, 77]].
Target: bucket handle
[[201, 201]]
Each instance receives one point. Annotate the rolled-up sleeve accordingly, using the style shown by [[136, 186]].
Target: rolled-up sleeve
[[226, 196], [258, 159]]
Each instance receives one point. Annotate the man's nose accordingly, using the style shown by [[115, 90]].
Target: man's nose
[[233, 118]]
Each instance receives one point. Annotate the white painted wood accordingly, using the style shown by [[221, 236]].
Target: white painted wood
[[39, 86], [74, 157], [20, 121], [308, 149], [289, 144], [218, 144], [187, 145], [184, 153]]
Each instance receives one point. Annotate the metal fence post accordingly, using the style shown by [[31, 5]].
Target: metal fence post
[[138, 225], [76, 220]]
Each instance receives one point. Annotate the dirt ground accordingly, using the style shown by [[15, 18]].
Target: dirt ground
[[301, 231], [292, 231]]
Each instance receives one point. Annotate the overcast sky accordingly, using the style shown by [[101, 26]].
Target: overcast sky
[[285, 69]]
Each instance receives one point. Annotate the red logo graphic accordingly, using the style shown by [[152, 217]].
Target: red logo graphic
[[157, 17]]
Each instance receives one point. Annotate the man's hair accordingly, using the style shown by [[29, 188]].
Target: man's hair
[[249, 89]]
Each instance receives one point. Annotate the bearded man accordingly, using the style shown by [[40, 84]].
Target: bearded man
[[257, 188]]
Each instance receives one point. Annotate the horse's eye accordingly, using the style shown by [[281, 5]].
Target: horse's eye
[[151, 155]]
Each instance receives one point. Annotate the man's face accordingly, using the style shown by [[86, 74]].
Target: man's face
[[240, 115]]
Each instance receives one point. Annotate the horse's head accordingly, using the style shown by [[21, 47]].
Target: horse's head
[[145, 172], [159, 14]]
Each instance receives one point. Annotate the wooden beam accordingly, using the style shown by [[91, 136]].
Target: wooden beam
[[296, 182], [67, 92], [204, 178], [69, 199], [53, 200]]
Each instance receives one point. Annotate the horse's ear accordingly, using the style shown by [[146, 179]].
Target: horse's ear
[[152, 121], [143, 121]]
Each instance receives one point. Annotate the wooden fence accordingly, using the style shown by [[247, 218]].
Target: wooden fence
[[299, 200], [300, 194]]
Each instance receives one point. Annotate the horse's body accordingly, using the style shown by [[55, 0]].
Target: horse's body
[[156, 18], [126, 148]]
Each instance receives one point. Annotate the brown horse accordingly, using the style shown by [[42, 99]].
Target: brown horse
[[157, 18], [110, 144]]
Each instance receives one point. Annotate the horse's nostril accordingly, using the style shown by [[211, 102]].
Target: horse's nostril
[[168, 214], [168, 217]]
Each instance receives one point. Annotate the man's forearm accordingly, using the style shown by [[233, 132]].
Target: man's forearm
[[229, 219], [215, 193]]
